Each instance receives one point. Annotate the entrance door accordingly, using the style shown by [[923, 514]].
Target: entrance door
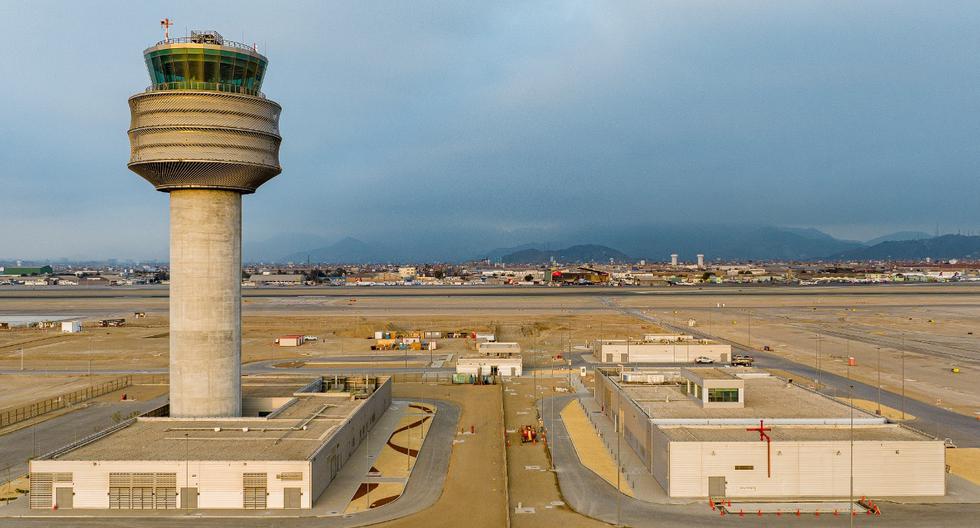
[[188, 498], [609, 358], [716, 486], [64, 498], [292, 498], [724, 357]]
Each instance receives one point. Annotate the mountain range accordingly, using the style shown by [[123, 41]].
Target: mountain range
[[620, 243], [938, 248], [579, 253]]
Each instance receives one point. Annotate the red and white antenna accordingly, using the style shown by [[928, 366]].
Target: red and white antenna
[[165, 24]]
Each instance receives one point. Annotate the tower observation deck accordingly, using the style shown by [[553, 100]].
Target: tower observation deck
[[203, 123], [204, 133]]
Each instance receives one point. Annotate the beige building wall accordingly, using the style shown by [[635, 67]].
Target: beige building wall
[[219, 483], [881, 468], [475, 365], [661, 353]]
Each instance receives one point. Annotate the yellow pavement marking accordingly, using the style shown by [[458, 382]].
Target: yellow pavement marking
[[886, 411], [589, 447], [965, 462]]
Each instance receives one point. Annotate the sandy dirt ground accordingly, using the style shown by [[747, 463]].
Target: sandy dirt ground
[[532, 483], [475, 492], [589, 447], [18, 390], [872, 407], [965, 462], [936, 329], [551, 324]]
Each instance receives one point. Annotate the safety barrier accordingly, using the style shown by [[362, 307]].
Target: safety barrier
[[14, 415]]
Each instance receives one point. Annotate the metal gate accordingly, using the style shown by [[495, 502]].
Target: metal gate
[[254, 490], [142, 491], [41, 490]]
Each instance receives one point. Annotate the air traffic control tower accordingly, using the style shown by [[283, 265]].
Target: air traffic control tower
[[204, 133]]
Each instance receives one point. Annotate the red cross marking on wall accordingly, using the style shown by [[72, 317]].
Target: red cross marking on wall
[[764, 437]]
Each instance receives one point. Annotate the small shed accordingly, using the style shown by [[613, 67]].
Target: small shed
[[71, 327], [290, 341]]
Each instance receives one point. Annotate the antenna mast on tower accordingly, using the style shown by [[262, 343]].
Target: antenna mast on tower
[[165, 24]]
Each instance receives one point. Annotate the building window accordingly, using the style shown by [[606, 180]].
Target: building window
[[722, 395], [744, 468]]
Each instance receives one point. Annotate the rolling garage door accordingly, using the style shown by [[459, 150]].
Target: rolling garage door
[[254, 487], [142, 491]]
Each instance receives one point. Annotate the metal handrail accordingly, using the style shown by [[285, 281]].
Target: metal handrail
[[204, 86], [196, 40]]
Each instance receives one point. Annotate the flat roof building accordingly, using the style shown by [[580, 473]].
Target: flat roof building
[[721, 432], [660, 348], [492, 359], [293, 438]]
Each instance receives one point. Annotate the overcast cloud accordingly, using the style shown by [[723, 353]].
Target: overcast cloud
[[510, 122]]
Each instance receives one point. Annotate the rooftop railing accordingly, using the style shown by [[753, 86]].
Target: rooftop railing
[[204, 86], [198, 40]]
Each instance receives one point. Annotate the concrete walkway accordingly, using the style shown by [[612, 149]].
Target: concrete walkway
[[645, 487], [335, 498]]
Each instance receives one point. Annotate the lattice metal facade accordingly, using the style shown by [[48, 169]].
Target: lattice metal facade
[[204, 140]]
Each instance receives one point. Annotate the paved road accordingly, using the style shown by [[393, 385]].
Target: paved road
[[19, 446], [589, 495], [963, 430]]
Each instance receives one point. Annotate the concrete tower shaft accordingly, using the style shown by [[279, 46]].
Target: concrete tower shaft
[[205, 303], [204, 133]]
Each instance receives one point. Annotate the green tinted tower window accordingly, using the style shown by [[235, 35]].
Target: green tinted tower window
[[205, 61]]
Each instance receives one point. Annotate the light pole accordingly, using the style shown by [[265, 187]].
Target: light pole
[[903, 376], [750, 329], [879, 380], [619, 463], [21, 359], [851, 465], [816, 354]]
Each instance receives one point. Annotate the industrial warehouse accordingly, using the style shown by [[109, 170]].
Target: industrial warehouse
[[713, 432], [660, 348], [282, 453]]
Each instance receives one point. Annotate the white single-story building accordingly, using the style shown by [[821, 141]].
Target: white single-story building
[[662, 350], [489, 365], [71, 327], [292, 442], [721, 432]]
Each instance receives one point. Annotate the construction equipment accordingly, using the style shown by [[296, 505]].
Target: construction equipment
[[528, 434]]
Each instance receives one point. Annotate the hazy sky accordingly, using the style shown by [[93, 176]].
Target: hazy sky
[[513, 120]]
